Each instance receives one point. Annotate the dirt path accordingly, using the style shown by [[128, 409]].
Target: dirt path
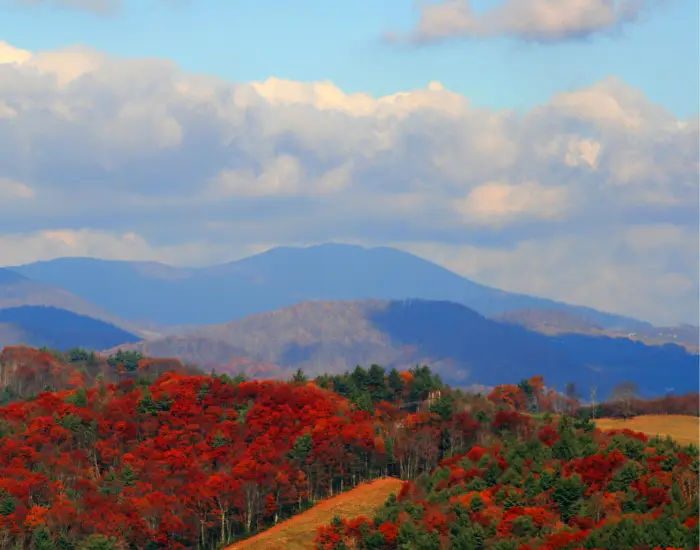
[[298, 532]]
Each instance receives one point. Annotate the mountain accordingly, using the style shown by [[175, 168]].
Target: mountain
[[17, 290], [548, 321], [551, 321], [58, 328], [278, 278], [459, 343]]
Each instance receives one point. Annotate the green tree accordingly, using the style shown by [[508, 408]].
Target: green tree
[[443, 406], [299, 377], [129, 360], [98, 542], [41, 540], [376, 383], [567, 494], [395, 384], [302, 448]]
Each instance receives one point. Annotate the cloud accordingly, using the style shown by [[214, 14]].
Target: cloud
[[647, 271], [326, 96], [282, 175], [543, 20], [13, 189], [101, 7], [117, 146], [10, 54], [496, 203], [20, 248]]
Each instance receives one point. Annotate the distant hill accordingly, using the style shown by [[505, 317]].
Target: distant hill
[[552, 321], [58, 328], [17, 290], [278, 278], [462, 345]]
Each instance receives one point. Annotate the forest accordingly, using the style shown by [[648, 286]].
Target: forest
[[123, 452]]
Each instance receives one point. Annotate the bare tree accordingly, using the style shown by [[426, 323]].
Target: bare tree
[[624, 393]]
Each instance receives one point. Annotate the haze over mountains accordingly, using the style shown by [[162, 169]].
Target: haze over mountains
[[58, 328], [328, 308], [17, 290], [148, 291], [462, 345]]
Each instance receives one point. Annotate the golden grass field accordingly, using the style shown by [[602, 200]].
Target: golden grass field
[[682, 428], [298, 532]]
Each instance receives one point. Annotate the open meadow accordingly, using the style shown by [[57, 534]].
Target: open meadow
[[682, 428]]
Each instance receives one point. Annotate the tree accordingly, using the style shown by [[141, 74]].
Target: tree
[[395, 384], [624, 393], [376, 383], [98, 542], [299, 377], [127, 360], [567, 495]]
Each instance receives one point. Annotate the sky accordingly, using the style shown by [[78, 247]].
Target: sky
[[540, 146]]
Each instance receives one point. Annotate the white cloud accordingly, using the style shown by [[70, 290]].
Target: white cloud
[[498, 203], [648, 272], [66, 64], [582, 152], [326, 96], [283, 175], [139, 146], [10, 54], [614, 104], [545, 20], [13, 189]]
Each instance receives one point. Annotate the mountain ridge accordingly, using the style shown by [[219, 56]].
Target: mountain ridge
[[280, 277], [465, 347], [58, 328]]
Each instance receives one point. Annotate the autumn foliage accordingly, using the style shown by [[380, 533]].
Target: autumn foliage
[[559, 485], [126, 452]]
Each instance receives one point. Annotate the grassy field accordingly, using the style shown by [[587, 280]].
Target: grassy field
[[298, 532], [683, 429]]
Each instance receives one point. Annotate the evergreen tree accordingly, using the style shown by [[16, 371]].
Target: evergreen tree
[[567, 494]]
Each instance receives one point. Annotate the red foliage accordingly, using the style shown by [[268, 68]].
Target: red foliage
[[548, 435]]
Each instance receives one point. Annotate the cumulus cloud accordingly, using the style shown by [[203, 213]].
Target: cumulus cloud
[[495, 203], [10, 54], [282, 175], [137, 146], [543, 20]]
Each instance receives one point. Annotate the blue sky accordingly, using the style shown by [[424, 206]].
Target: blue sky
[[541, 146], [307, 40]]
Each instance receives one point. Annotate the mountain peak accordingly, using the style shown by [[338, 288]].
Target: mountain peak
[[281, 277]]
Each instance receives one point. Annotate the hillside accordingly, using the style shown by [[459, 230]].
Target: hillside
[[17, 290], [552, 321], [143, 457], [58, 328], [298, 532], [278, 278], [463, 346], [542, 491]]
